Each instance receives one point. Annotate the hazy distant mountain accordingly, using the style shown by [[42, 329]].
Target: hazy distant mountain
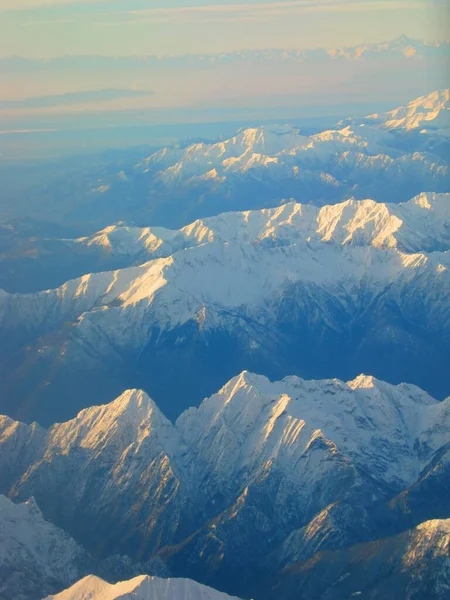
[[106, 102], [402, 46]]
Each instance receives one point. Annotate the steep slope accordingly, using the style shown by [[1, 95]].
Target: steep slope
[[140, 588], [260, 476], [293, 290], [122, 451], [37, 558], [413, 566]]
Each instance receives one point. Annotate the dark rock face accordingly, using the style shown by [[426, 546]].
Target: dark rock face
[[413, 565]]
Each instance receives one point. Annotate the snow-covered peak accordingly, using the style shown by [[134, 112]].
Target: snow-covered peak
[[249, 148], [140, 588], [126, 423], [260, 422], [37, 558], [428, 112], [253, 423], [403, 44], [124, 239], [33, 507], [363, 381], [430, 539]]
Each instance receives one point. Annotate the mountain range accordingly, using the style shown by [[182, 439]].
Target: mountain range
[[197, 400], [356, 287], [39, 263], [403, 45], [261, 477], [388, 157]]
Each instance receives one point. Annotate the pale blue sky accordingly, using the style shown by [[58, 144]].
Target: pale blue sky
[[47, 28]]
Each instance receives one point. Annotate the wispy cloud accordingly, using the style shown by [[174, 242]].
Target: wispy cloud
[[25, 131], [266, 10], [20, 5], [73, 98]]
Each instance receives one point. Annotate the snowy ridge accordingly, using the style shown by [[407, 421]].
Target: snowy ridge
[[422, 224], [429, 112], [283, 153], [216, 277], [393, 431], [140, 588], [262, 250], [354, 267]]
